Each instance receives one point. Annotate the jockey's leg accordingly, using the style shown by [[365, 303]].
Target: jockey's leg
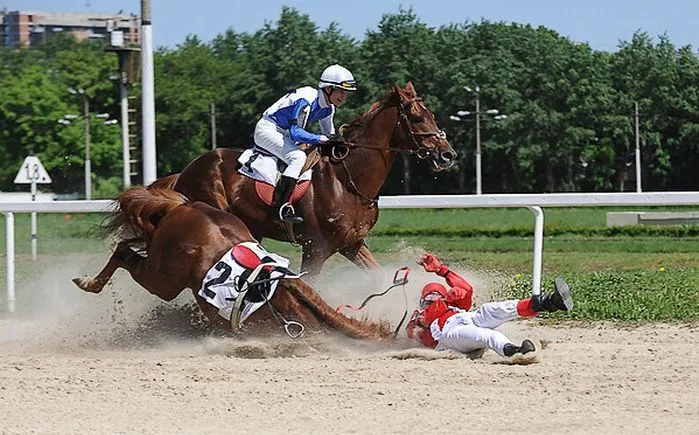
[[559, 300], [295, 158], [467, 338], [273, 140], [487, 317]]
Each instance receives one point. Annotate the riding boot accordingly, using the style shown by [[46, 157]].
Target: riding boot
[[282, 194], [559, 300], [526, 347]]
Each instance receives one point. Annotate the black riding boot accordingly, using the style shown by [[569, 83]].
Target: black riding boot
[[282, 194], [559, 300], [526, 347]]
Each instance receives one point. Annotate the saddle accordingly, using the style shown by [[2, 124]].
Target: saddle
[[266, 169]]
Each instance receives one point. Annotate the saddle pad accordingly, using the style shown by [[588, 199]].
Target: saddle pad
[[266, 191], [262, 167], [220, 285]]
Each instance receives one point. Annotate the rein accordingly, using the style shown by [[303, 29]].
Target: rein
[[292, 328], [341, 150], [397, 281]]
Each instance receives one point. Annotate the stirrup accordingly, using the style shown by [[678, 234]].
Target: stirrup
[[293, 217]]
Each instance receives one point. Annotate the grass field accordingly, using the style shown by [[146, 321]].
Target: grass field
[[630, 278]]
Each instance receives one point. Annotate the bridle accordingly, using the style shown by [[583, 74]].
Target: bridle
[[421, 151], [340, 151]]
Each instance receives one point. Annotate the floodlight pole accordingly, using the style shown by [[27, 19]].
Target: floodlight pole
[[125, 150], [88, 164], [479, 186]]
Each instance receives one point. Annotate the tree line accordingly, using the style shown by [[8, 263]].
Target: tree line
[[570, 122]]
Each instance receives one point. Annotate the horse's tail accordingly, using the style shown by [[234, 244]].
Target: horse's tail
[[140, 210], [164, 182], [353, 327]]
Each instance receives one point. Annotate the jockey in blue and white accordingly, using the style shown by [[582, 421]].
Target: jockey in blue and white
[[283, 128]]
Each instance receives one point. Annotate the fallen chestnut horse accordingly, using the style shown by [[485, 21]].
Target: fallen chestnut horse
[[185, 241]]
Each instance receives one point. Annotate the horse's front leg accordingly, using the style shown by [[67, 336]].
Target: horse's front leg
[[119, 257], [359, 254], [312, 260]]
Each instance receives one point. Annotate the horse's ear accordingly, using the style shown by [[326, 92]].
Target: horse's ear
[[410, 88]]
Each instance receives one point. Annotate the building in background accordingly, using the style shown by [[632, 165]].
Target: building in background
[[22, 29]]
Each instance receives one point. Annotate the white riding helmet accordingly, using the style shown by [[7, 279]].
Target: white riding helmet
[[338, 77]]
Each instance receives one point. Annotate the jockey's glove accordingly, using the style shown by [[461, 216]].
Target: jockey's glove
[[336, 139]]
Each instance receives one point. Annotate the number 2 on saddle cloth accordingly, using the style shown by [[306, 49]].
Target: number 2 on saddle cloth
[[243, 280]]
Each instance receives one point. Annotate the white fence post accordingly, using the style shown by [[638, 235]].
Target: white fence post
[[10, 244], [538, 248]]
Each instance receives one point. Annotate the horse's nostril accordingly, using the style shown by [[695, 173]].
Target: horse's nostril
[[446, 156]]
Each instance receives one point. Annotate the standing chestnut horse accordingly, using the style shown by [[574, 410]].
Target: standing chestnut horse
[[340, 207], [183, 242]]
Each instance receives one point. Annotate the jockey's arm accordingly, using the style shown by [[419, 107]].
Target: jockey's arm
[[297, 133], [461, 292], [460, 297]]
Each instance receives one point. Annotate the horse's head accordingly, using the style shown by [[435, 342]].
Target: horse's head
[[418, 131]]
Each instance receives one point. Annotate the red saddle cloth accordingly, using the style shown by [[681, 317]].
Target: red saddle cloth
[[266, 191]]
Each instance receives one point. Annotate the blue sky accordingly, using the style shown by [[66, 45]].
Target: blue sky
[[602, 23]]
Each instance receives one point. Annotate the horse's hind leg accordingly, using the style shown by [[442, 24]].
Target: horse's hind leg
[[138, 266], [119, 257]]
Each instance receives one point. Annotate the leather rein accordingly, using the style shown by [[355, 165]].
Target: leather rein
[[421, 151]]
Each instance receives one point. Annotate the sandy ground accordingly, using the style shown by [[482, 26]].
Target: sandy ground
[[121, 362]]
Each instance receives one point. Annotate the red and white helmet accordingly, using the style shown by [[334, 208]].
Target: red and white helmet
[[338, 77], [431, 292]]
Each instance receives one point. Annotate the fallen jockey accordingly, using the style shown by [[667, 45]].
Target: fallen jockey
[[443, 319]]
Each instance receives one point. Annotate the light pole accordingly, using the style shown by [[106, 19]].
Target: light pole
[[66, 120], [638, 153], [461, 113], [86, 119]]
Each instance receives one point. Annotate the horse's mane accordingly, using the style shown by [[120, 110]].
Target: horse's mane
[[362, 120], [140, 210], [353, 327], [164, 182]]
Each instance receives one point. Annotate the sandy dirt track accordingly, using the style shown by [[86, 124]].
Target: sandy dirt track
[[120, 363]]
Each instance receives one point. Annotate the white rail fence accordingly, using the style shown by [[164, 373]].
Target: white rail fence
[[533, 202]]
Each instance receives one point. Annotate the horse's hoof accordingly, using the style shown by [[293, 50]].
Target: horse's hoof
[[86, 284]]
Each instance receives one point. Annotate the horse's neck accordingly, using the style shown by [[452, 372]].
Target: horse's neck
[[369, 167]]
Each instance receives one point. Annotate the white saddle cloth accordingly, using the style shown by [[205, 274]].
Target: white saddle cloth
[[263, 167], [220, 286]]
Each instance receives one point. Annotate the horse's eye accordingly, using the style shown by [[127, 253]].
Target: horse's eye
[[417, 120]]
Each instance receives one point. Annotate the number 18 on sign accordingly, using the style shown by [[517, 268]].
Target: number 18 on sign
[[32, 172]]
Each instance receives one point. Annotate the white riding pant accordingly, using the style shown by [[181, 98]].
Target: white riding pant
[[271, 138], [468, 331]]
